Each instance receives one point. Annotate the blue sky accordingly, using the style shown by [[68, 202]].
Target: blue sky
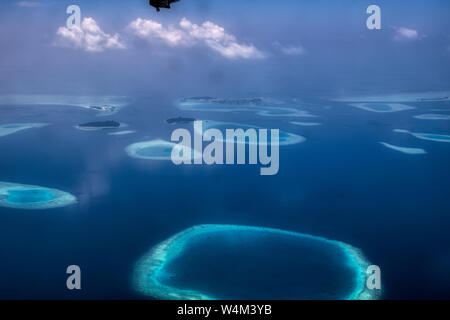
[[222, 46]]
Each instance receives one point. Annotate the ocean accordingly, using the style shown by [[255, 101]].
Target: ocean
[[340, 184]]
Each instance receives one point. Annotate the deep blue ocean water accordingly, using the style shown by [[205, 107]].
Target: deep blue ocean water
[[340, 184], [256, 265]]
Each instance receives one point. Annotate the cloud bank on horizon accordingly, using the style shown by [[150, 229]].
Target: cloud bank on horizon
[[209, 35], [187, 33], [88, 37], [91, 38]]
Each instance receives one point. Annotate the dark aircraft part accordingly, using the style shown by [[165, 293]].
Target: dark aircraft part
[[158, 4]]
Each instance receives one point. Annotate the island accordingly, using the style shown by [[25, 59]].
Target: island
[[100, 125], [180, 120], [103, 108]]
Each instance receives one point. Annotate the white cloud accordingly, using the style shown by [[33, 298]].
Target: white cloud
[[28, 4], [89, 37], [406, 34], [291, 50], [190, 34], [149, 29]]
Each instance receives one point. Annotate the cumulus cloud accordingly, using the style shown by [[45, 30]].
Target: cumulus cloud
[[187, 33], [406, 34], [149, 29], [88, 37]]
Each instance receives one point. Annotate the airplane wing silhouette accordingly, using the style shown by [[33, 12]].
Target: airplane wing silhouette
[[158, 4]]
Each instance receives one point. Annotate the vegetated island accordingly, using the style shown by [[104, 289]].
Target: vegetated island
[[100, 125], [180, 120]]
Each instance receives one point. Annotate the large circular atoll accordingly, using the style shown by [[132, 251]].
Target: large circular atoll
[[21, 196], [158, 150], [285, 138], [312, 267]]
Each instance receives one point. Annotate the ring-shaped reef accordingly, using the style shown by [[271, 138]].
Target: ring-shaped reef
[[7, 129], [382, 107], [104, 105], [227, 262], [306, 124], [406, 150], [21, 196], [158, 150], [426, 136], [433, 116], [285, 138], [122, 133], [400, 97], [262, 107]]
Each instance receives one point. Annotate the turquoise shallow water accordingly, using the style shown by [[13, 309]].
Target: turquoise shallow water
[[284, 138], [440, 137], [29, 196], [159, 151]]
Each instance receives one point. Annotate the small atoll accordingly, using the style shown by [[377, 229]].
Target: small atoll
[[104, 105], [7, 129], [426, 136], [122, 133], [158, 150], [406, 150], [306, 124], [285, 138], [433, 116], [400, 97], [382, 107], [21, 196]]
